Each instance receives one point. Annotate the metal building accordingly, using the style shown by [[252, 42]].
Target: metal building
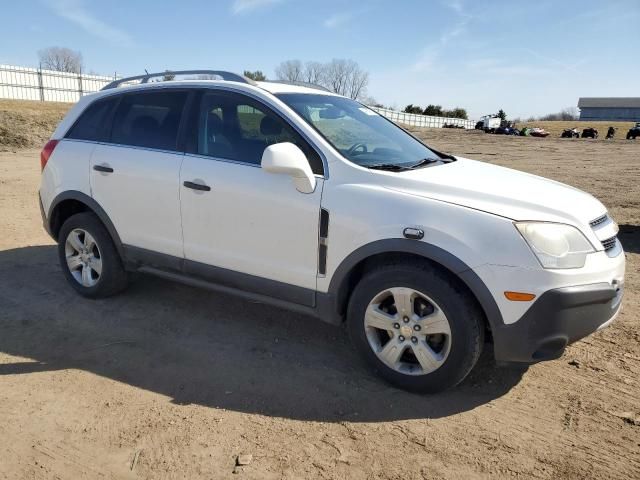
[[624, 109]]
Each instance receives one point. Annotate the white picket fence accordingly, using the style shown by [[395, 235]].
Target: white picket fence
[[24, 83], [423, 120]]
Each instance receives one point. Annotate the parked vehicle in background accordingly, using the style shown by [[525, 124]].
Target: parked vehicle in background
[[634, 132], [538, 132], [570, 133], [490, 123], [507, 128], [589, 133], [308, 200]]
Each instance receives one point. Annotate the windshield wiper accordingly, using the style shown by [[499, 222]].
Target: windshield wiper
[[392, 167], [425, 162]]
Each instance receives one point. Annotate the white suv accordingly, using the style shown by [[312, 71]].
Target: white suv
[[294, 196]]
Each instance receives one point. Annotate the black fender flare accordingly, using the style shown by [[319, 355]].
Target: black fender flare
[[430, 252], [94, 207]]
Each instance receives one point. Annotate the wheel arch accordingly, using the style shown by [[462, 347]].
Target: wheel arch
[[354, 265], [71, 202]]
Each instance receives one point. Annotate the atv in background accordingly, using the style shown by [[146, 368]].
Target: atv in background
[[589, 133], [634, 132], [610, 133], [507, 130], [570, 133]]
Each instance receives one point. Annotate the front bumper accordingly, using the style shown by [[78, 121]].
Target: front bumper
[[557, 318]]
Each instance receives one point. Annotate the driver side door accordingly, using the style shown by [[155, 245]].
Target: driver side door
[[242, 226]]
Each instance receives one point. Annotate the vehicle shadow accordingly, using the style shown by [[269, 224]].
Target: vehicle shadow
[[210, 349], [629, 236]]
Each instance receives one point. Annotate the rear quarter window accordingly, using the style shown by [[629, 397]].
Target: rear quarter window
[[93, 123]]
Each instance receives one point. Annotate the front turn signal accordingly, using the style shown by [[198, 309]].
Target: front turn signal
[[519, 296]]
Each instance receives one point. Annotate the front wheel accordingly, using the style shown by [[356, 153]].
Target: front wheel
[[89, 258], [416, 326]]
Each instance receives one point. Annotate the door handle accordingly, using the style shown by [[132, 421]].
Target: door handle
[[197, 186], [103, 168]]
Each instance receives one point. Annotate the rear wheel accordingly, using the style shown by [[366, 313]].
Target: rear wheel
[[89, 258], [416, 326]]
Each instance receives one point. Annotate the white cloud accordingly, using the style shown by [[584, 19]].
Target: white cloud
[[239, 7], [76, 12], [338, 19], [431, 53], [456, 5], [495, 66]]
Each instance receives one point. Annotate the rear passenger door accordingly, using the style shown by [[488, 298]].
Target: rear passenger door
[[135, 173]]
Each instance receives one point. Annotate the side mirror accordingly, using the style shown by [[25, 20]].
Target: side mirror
[[289, 159]]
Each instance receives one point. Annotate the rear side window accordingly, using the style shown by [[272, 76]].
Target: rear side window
[[92, 124], [149, 119]]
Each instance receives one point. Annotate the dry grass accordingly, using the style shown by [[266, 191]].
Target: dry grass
[[28, 124], [555, 128]]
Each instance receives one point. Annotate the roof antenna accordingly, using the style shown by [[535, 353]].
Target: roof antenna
[[145, 71]]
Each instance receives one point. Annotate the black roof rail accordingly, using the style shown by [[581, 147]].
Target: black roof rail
[[228, 76], [301, 84]]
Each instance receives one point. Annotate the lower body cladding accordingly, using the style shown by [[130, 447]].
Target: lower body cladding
[[556, 319]]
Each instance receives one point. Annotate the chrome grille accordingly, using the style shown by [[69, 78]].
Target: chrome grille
[[609, 243], [598, 221]]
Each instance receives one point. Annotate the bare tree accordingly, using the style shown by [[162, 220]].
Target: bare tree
[[290, 71], [313, 73], [61, 59], [358, 81], [345, 77]]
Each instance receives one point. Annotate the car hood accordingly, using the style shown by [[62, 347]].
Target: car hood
[[498, 190]]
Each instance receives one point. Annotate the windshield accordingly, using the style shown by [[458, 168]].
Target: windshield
[[360, 134]]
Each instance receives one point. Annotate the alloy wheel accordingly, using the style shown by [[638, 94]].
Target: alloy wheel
[[407, 331], [83, 256]]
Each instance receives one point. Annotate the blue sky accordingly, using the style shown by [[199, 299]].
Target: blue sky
[[527, 57]]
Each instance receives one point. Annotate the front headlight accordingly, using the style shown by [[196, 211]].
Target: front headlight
[[556, 245]]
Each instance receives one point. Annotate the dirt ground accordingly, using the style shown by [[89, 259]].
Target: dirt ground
[[167, 381]]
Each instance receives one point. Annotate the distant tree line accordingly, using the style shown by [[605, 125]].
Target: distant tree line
[[341, 76], [566, 114], [436, 111], [257, 75]]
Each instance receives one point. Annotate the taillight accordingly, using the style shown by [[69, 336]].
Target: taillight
[[46, 152]]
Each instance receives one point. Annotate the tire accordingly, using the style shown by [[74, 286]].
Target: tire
[[85, 245], [456, 352]]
